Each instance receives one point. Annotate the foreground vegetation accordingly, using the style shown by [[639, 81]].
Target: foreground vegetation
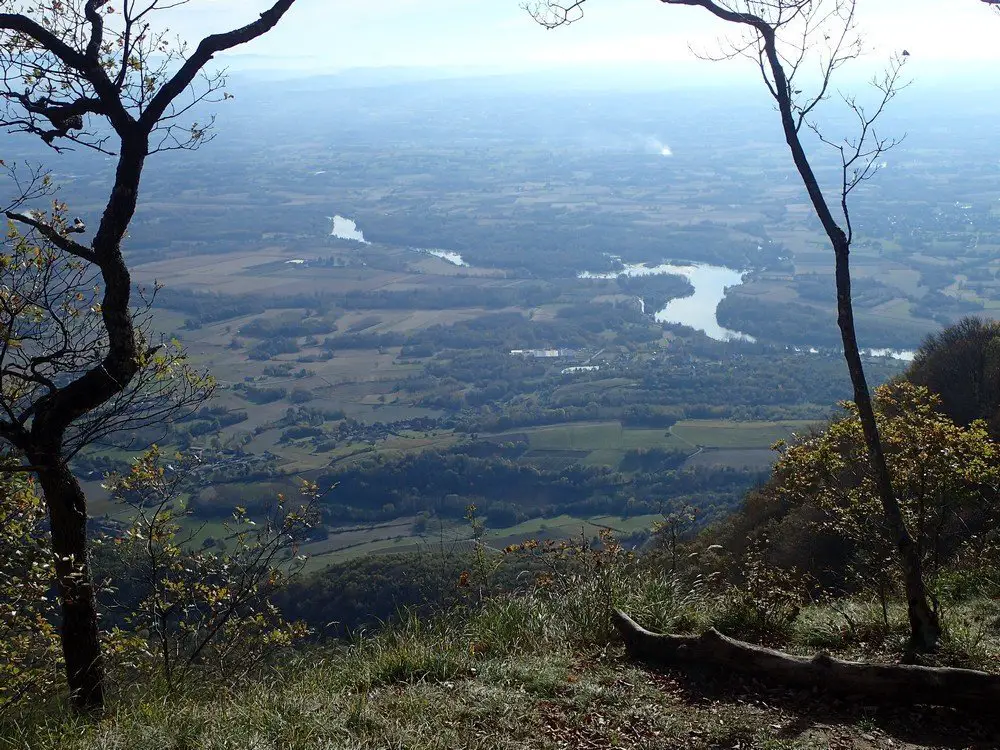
[[891, 507], [502, 648], [543, 669]]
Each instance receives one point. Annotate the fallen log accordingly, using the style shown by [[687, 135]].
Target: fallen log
[[895, 683]]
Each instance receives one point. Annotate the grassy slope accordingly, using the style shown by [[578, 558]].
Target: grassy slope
[[562, 699], [525, 672]]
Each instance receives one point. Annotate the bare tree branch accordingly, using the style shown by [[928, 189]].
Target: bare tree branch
[[76, 362], [209, 47], [785, 31], [61, 241]]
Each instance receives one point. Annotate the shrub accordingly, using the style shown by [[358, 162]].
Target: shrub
[[205, 611], [29, 644], [764, 606]]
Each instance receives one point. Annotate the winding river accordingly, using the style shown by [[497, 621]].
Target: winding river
[[446, 255], [698, 310], [347, 229]]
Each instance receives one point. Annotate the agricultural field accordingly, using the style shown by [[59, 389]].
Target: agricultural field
[[349, 387], [348, 543], [714, 433], [721, 442], [585, 437], [332, 353]]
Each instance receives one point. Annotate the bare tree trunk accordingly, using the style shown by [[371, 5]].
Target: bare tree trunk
[[924, 626], [79, 630], [64, 47]]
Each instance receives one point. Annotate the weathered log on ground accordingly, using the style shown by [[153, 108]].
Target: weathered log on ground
[[895, 683]]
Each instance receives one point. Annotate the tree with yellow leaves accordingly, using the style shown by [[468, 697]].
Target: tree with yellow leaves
[[946, 476]]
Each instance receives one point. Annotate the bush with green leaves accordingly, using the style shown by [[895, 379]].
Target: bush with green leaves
[[205, 610], [763, 606], [29, 644], [946, 478]]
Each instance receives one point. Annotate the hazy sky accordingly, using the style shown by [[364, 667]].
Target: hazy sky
[[329, 35]]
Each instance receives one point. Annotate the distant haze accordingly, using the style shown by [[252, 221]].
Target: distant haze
[[497, 35]]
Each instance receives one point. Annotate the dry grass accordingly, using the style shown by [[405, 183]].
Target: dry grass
[[535, 671]]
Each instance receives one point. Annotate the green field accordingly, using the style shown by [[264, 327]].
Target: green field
[[347, 543], [605, 443], [719, 433], [566, 526], [736, 458], [605, 438]]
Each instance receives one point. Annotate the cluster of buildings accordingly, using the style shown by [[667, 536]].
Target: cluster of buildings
[[210, 460], [544, 353]]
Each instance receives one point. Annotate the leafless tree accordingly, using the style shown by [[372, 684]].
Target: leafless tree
[[77, 360], [798, 46]]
